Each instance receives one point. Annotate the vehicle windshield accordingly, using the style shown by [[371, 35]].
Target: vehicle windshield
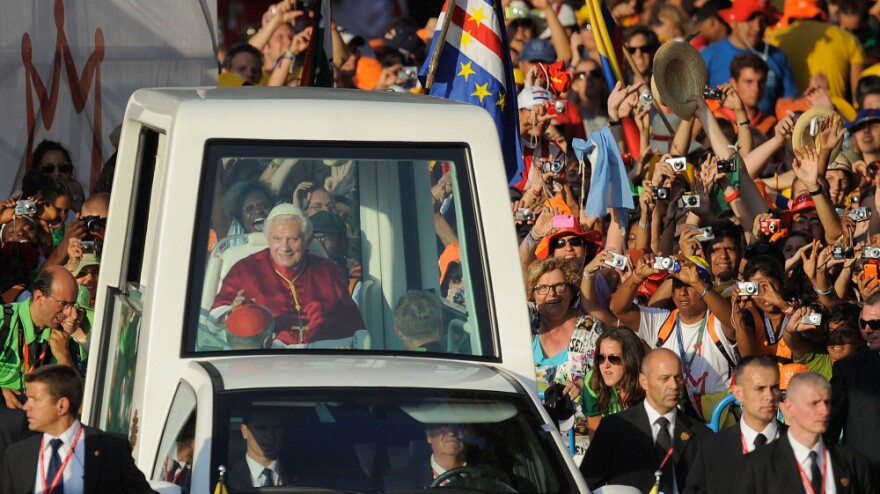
[[384, 440], [338, 247]]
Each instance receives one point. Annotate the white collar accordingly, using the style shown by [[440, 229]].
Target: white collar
[[437, 468], [653, 415], [749, 434], [256, 468], [802, 453], [66, 436]]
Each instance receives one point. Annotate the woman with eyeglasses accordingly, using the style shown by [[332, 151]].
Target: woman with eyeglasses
[[54, 160], [615, 387], [563, 336]]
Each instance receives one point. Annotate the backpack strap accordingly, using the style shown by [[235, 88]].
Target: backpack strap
[[666, 329], [7, 323], [715, 339]]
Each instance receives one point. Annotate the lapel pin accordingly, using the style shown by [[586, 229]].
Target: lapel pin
[[844, 481], [97, 453], [685, 436]]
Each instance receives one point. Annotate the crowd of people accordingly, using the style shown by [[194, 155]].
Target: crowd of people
[[745, 245]]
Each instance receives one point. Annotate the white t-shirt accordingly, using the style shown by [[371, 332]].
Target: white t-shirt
[[709, 371]]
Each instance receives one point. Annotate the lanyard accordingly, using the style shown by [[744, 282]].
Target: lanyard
[[698, 346], [168, 471], [746, 446], [772, 337], [806, 481], [60, 473]]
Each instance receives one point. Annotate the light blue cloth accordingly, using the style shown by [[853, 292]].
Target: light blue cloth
[[609, 185]]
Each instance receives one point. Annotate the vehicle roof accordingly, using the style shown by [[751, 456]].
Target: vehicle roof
[[256, 372]]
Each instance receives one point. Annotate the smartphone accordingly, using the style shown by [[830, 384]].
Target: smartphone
[[870, 269], [563, 221]]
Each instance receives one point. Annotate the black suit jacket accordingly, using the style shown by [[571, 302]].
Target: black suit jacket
[[622, 451], [718, 462], [109, 467], [239, 475], [13, 427], [414, 475], [773, 469], [855, 406]]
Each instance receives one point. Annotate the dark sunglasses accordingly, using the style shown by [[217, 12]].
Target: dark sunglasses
[[62, 167], [642, 49], [614, 359], [874, 324], [572, 241]]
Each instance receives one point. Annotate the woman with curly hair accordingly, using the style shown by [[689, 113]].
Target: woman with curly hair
[[615, 387], [563, 338]]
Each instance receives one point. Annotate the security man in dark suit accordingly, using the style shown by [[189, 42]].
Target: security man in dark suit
[[720, 456], [800, 461], [418, 322], [67, 455], [630, 446], [855, 393]]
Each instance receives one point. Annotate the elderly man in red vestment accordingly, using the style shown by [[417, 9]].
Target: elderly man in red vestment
[[306, 294]]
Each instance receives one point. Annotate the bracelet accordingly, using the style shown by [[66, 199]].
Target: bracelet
[[743, 124], [644, 225], [534, 237], [732, 197], [708, 286], [816, 192], [613, 123], [589, 276], [789, 311], [535, 192], [823, 292]]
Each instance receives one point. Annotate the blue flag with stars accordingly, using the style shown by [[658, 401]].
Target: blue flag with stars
[[474, 67]]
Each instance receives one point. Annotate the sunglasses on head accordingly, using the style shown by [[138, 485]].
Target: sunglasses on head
[[613, 359], [62, 167], [572, 241], [874, 324]]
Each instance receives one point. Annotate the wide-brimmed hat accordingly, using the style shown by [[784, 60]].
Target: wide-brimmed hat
[[843, 161], [863, 117], [801, 135], [86, 261], [679, 75], [592, 236]]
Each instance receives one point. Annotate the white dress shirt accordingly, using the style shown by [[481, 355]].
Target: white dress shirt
[[802, 456], [75, 468], [653, 415], [256, 470], [770, 432]]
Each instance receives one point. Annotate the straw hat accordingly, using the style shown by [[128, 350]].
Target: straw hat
[[801, 135], [680, 74]]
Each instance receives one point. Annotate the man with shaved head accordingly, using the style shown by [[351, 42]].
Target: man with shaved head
[[800, 461], [630, 446]]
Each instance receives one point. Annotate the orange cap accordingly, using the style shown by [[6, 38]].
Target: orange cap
[[802, 9]]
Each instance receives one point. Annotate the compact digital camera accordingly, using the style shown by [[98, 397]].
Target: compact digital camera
[[524, 214], [746, 288], [858, 214], [25, 208], [712, 93], [769, 227], [727, 166], [408, 73], [871, 252], [560, 107], [705, 234], [841, 252], [661, 193], [458, 297], [678, 164], [88, 246], [646, 99], [667, 264], [689, 201], [552, 166], [617, 261], [813, 319]]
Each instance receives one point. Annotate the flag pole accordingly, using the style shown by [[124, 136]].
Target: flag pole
[[438, 46]]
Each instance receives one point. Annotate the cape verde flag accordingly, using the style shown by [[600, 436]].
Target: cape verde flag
[[474, 67]]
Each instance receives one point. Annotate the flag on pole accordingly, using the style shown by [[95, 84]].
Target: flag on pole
[[317, 70], [473, 66], [609, 41]]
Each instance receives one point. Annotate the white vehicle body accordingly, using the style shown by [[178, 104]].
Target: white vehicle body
[[160, 274]]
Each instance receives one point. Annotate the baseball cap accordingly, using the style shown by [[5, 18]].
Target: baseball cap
[[538, 50], [802, 202], [863, 117], [713, 8], [744, 10]]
